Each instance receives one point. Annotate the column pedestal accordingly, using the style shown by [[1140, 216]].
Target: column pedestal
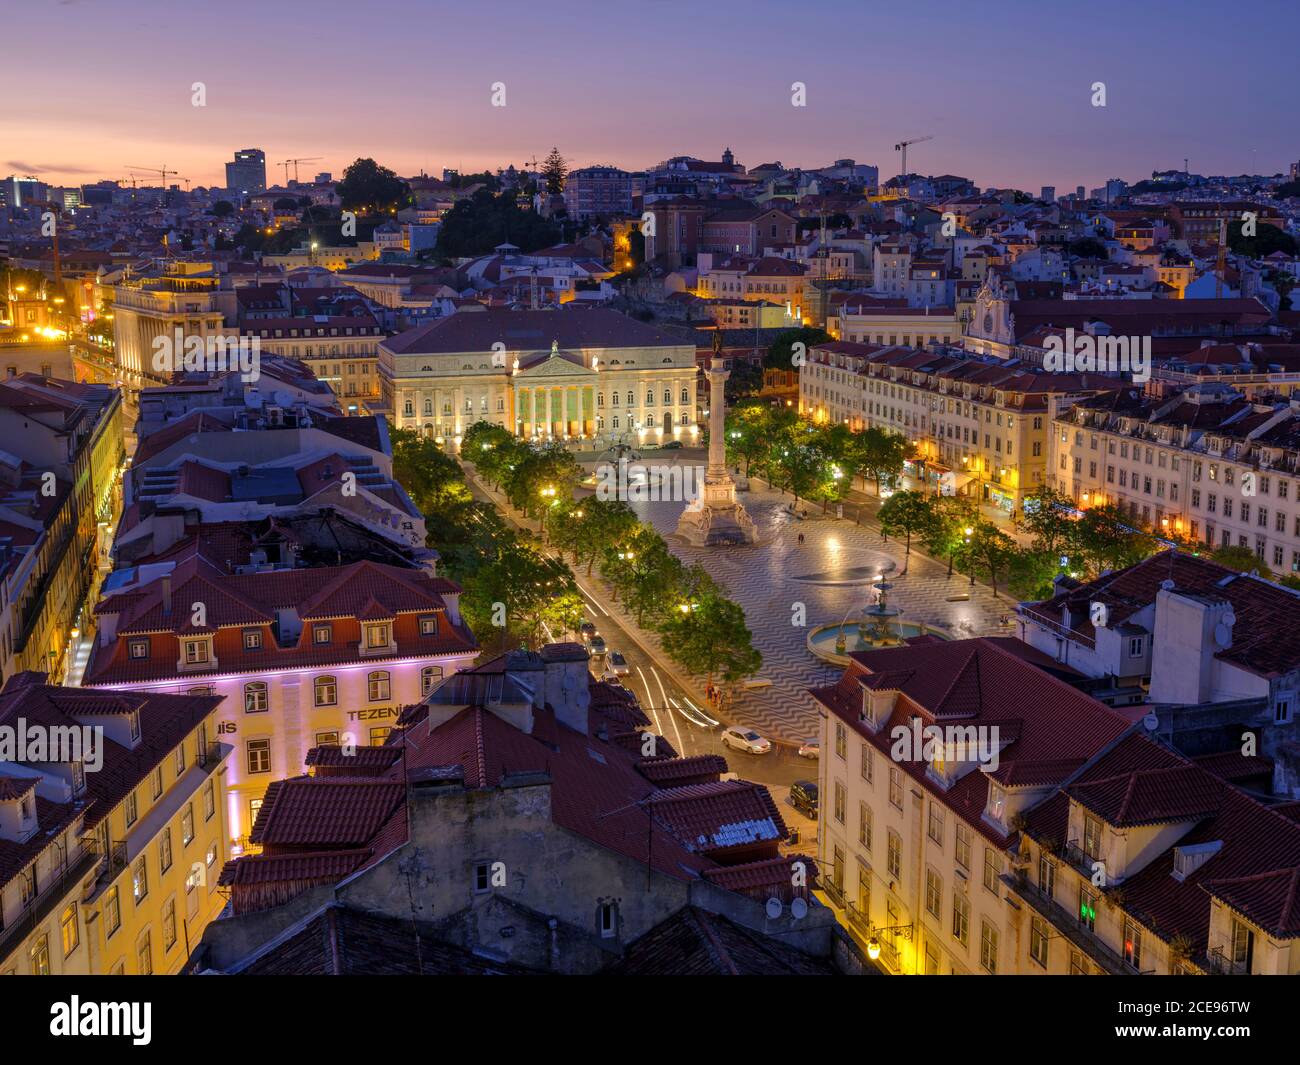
[[717, 517]]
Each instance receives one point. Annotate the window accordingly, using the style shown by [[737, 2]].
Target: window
[[992, 868], [429, 625], [180, 758], [482, 878], [165, 850], [187, 824], [157, 781], [138, 648], [322, 633], [252, 639], [864, 826], [132, 809], [894, 854], [70, 929], [196, 652], [1087, 907], [1091, 837], [868, 768], [839, 739], [607, 920], [169, 924], [377, 634], [1132, 944], [1038, 937], [1243, 946], [209, 801], [140, 880], [935, 827], [326, 691], [840, 801], [1046, 875], [112, 911], [933, 892], [896, 786], [989, 947], [963, 846], [429, 677], [144, 955], [379, 686], [960, 917], [256, 698], [259, 756], [379, 734], [40, 957]]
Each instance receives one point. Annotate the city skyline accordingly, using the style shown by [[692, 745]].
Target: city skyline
[[1027, 124]]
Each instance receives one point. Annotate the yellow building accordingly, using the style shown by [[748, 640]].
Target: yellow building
[[115, 870]]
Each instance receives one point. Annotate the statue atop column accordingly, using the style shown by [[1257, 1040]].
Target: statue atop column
[[715, 516]]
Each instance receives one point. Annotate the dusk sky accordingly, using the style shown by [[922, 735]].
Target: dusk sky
[[89, 86]]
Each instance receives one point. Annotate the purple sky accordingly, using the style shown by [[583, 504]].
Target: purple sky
[[89, 86]]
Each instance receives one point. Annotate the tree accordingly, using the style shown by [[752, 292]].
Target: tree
[[781, 352], [1051, 517], [1266, 241], [708, 635], [1242, 559], [223, 209], [1104, 538], [880, 454], [476, 225], [286, 203], [554, 170], [1089, 248], [946, 534], [367, 186], [907, 513], [516, 585], [990, 549]]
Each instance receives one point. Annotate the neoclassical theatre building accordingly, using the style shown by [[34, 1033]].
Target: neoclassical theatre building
[[568, 373]]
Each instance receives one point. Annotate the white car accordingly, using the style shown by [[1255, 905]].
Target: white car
[[745, 739], [810, 749], [615, 663]]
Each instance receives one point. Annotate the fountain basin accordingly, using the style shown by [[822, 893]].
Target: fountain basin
[[822, 639]]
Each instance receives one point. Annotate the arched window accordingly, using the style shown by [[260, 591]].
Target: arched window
[[614, 397], [428, 407], [649, 397], [379, 686], [327, 691], [631, 400], [256, 698], [668, 396], [429, 676], [600, 399], [409, 409], [686, 395]]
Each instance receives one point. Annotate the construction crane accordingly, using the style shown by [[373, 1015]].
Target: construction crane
[[161, 171], [902, 147], [295, 162]]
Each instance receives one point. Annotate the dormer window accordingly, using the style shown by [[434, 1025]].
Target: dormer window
[[252, 639], [138, 648], [1091, 837], [429, 625], [997, 802], [135, 725], [196, 652], [78, 777], [378, 634], [322, 633]]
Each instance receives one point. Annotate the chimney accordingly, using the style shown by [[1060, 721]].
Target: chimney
[[568, 683]]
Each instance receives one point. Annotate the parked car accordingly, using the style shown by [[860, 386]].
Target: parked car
[[586, 631], [615, 663], [672, 445], [596, 645], [810, 749], [745, 739], [803, 797]]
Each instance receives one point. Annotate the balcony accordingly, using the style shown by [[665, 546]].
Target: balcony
[[1066, 923], [1219, 962], [60, 889]]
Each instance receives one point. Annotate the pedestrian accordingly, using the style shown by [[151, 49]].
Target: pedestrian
[[801, 538]]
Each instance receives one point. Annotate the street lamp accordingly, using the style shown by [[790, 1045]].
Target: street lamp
[[873, 944]]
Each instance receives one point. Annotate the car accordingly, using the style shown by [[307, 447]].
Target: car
[[586, 631], [672, 445], [596, 645], [803, 797], [810, 749], [745, 739], [615, 663]]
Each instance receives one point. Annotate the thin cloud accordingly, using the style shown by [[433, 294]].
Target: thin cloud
[[46, 168]]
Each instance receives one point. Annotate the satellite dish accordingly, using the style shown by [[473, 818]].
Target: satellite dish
[[1222, 635], [799, 909], [1151, 722], [774, 908], [1230, 619]]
